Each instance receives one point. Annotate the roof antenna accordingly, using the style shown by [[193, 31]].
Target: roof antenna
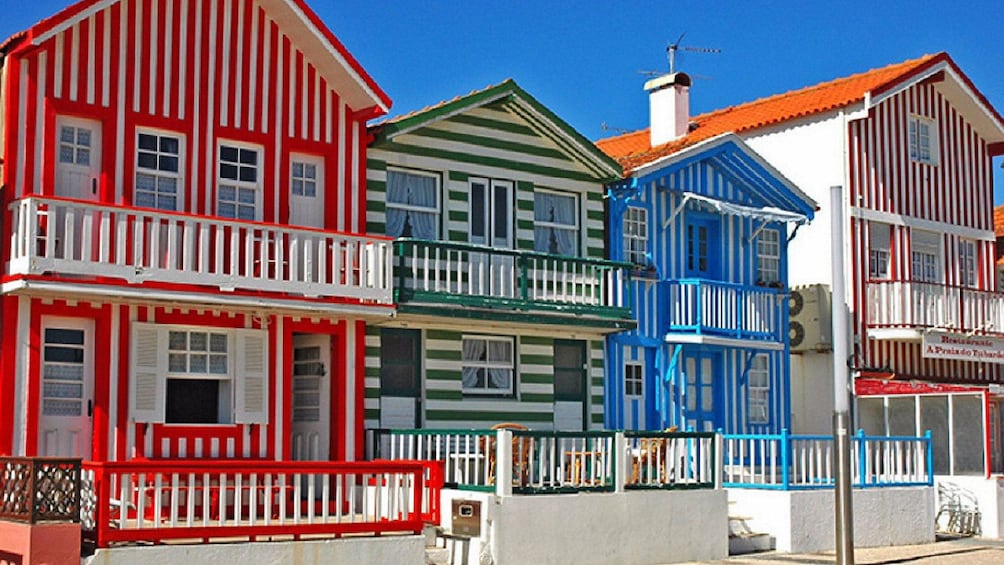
[[605, 127], [672, 48]]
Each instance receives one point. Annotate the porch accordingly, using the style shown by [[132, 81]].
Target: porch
[[897, 307], [71, 237], [435, 277], [717, 309]]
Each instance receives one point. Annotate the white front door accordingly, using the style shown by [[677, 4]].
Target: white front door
[[78, 158], [67, 396], [311, 397], [306, 192]]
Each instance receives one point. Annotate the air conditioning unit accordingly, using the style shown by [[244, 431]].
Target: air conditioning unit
[[809, 324]]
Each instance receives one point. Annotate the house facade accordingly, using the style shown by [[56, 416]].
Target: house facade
[[502, 286], [187, 274], [911, 145], [706, 226]]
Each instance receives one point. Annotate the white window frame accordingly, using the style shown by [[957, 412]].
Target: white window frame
[[488, 390], [305, 161], [636, 235], [157, 173], [768, 256], [968, 261], [925, 257], [879, 251], [435, 209], [758, 390], [634, 381], [76, 148], [576, 228], [225, 377], [239, 185], [921, 130]]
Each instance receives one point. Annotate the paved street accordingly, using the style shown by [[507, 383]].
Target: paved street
[[956, 552]]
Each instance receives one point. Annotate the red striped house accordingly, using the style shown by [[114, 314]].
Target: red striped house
[[912, 145], [184, 200]]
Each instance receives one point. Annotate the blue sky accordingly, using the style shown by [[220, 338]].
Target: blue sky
[[582, 59]]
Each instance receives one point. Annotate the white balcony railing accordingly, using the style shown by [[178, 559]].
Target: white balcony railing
[[914, 304], [70, 237]]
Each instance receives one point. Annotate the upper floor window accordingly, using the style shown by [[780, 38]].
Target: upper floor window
[[239, 191], [306, 192], [555, 223], [758, 391], [636, 235], [634, 379], [158, 170], [412, 204], [923, 134], [488, 365], [925, 256], [967, 263], [768, 256], [878, 252]]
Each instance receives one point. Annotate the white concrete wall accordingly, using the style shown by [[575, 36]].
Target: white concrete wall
[[989, 495], [811, 393], [631, 528], [400, 550], [803, 521]]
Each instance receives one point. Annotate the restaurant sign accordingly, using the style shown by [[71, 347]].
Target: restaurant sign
[[944, 345]]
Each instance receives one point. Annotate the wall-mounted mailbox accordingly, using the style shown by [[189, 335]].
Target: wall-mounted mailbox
[[467, 518]]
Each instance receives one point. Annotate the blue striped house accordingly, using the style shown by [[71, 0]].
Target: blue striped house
[[707, 227]]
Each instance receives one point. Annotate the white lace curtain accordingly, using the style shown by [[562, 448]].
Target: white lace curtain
[[476, 364], [411, 205], [555, 224]]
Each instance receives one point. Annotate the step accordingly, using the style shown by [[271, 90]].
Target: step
[[437, 556], [742, 544]]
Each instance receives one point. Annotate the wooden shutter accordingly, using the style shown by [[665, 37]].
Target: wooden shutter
[[148, 371], [251, 377]]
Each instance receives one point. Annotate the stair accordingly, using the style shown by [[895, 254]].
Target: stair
[[454, 549], [743, 540]]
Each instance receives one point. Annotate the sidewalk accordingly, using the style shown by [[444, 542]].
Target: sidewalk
[[956, 552]]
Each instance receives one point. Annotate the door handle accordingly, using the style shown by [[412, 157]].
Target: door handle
[[90, 408], [94, 186]]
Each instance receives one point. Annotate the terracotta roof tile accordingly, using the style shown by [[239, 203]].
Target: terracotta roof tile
[[633, 149], [999, 221]]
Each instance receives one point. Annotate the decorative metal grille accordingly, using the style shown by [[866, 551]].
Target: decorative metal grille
[[40, 489]]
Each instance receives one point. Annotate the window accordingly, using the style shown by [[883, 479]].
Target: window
[[768, 256], [158, 158], [923, 140], [239, 175], [75, 145], [636, 235], [634, 380], [925, 254], [303, 179], [758, 391], [967, 263], [878, 252], [191, 375], [412, 204], [556, 223], [488, 366]]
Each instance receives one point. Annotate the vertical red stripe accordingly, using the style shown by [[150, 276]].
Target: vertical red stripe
[[8, 347]]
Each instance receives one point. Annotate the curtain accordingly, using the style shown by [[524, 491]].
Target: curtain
[[411, 206], [500, 352], [555, 224], [474, 350]]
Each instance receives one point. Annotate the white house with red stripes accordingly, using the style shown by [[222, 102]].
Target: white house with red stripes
[[185, 269]]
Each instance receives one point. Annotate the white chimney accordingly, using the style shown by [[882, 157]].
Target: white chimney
[[669, 107]]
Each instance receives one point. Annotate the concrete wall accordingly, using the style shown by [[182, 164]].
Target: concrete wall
[[31, 544], [803, 522], [631, 528], [812, 393], [403, 550], [989, 495]]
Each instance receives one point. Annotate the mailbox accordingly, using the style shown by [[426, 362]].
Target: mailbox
[[467, 518]]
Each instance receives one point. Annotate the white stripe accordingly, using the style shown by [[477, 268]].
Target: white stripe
[[291, 99], [136, 53], [120, 108], [40, 119], [278, 417], [327, 115], [193, 181], [90, 58], [224, 90], [168, 52], [57, 82], [253, 86], [211, 84], [303, 99], [113, 382], [266, 67], [350, 390], [355, 178], [340, 220], [22, 110], [106, 58], [239, 71], [317, 106], [183, 61], [21, 371], [154, 45]]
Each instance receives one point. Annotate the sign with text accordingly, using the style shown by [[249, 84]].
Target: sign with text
[[943, 345]]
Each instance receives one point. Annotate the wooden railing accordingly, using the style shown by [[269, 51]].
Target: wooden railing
[[538, 462], [726, 309], [437, 271], [73, 237], [913, 304], [798, 462], [35, 489], [156, 501]]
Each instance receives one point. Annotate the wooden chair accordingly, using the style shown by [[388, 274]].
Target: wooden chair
[[651, 453], [522, 448]]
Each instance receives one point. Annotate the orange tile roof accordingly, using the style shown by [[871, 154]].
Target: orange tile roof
[[633, 149], [999, 221]]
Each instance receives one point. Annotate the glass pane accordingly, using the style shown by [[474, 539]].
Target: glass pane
[[477, 210], [146, 182], [218, 364], [310, 171], [148, 142], [73, 372], [228, 171], [147, 160], [84, 137], [169, 145], [246, 195], [177, 363], [64, 354], [64, 336], [308, 369], [198, 341], [306, 353], [297, 169], [218, 343], [228, 153], [166, 185], [246, 213], [168, 203], [66, 134], [249, 157], [65, 154], [145, 199], [310, 189], [83, 156], [227, 210], [249, 174], [297, 187], [500, 214], [62, 407], [198, 363], [177, 341], [228, 193], [63, 390], [169, 163], [306, 384]]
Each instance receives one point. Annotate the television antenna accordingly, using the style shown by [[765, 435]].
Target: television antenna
[[672, 48], [606, 127]]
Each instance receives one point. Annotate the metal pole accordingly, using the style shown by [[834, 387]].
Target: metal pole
[[843, 512]]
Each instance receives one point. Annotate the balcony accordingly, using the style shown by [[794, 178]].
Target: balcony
[[902, 309], [443, 278], [68, 237], [716, 309]]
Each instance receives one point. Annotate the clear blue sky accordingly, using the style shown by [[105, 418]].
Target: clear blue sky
[[582, 59]]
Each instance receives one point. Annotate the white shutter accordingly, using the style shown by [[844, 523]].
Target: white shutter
[[148, 370], [251, 377]]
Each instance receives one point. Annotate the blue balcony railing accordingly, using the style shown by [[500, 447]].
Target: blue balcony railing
[[725, 309]]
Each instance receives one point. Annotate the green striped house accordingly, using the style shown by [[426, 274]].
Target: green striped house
[[502, 285]]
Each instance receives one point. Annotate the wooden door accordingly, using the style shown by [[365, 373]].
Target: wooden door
[[311, 397], [67, 393]]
